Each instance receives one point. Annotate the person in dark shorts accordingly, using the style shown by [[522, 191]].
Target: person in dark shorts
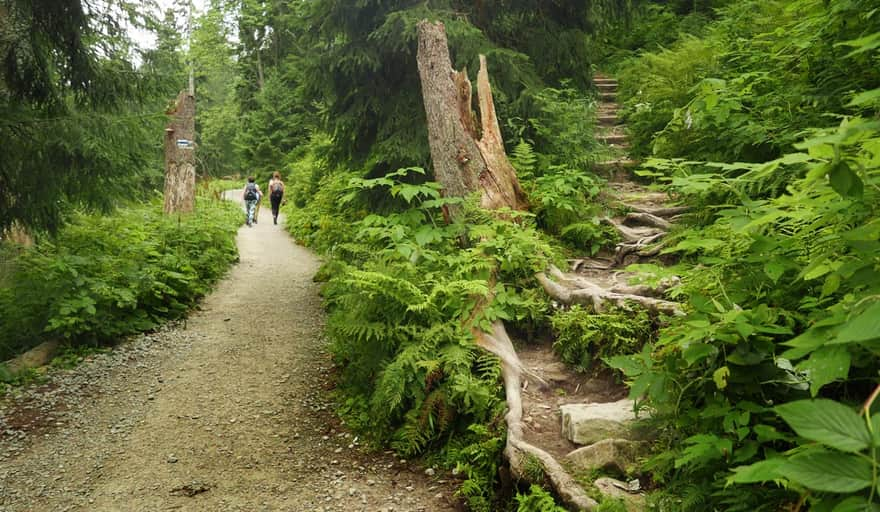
[[276, 193]]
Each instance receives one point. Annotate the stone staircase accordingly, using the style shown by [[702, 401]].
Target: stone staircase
[[609, 130]]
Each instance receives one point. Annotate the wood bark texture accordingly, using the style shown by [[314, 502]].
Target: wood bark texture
[[180, 168], [464, 161], [467, 159]]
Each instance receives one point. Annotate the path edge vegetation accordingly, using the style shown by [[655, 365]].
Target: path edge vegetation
[[103, 277]]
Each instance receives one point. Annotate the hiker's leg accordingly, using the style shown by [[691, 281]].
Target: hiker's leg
[[276, 204], [250, 211]]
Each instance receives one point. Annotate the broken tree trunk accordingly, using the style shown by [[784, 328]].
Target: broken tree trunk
[[465, 161], [180, 161]]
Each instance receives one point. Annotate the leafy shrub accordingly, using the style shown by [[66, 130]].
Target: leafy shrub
[[103, 277], [782, 295], [764, 72]]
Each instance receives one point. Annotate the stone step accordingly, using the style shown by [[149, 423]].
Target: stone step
[[598, 81], [608, 119], [586, 424], [603, 87], [618, 139], [619, 455], [615, 165], [607, 96]]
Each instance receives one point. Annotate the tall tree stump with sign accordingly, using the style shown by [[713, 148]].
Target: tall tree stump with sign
[[180, 159]]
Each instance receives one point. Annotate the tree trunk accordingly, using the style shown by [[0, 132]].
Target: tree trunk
[[180, 169], [464, 162]]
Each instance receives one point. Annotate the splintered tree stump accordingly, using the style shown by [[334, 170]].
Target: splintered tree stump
[[465, 160], [468, 159], [180, 160]]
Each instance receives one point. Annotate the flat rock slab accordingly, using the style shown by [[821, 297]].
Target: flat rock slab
[[620, 455], [628, 494], [586, 424]]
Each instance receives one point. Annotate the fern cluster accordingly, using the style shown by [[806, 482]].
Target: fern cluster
[[401, 289], [583, 337]]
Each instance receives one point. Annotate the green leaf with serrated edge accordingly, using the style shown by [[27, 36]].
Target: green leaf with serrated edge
[[828, 422], [826, 365], [763, 471], [863, 327], [698, 351], [829, 471]]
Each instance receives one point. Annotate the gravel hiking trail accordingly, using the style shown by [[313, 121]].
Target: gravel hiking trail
[[228, 411]]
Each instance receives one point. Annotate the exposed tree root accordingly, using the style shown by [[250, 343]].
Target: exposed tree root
[[668, 211], [645, 247], [572, 289], [647, 219], [517, 450]]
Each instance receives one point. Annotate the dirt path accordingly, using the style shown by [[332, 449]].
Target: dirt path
[[228, 413]]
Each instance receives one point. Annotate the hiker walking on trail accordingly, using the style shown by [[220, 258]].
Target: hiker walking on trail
[[276, 193], [251, 195]]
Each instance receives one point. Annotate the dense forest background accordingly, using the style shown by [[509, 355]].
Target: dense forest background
[[760, 116]]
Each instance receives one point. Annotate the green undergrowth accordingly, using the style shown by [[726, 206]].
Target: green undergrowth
[[584, 338], [400, 289], [764, 392], [102, 277]]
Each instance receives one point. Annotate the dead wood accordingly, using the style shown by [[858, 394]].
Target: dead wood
[[464, 161], [180, 160]]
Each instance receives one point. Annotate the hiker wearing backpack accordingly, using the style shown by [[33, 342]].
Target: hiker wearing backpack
[[276, 193], [251, 195]]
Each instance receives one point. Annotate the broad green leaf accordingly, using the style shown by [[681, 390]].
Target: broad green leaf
[[763, 471], [844, 181], [832, 284], [828, 422], [856, 504], [826, 365], [829, 471], [698, 351], [816, 271], [864, 327]]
